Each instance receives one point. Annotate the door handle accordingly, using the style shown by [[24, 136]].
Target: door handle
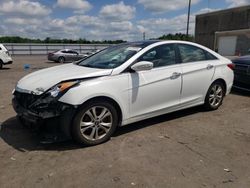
[[175, 75], [209, 67]]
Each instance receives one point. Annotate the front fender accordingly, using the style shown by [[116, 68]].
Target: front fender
[[114, 87]]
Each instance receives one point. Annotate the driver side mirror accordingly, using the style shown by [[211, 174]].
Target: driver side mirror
[[142, 66]]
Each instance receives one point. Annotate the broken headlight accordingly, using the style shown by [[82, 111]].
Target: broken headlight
[[61, 88], [49, 99]]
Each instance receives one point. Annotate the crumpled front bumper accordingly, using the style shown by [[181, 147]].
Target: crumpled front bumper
[[35, 114], [25, 113]]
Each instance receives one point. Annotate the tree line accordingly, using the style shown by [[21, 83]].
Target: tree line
[[48, 40], [177, 36]]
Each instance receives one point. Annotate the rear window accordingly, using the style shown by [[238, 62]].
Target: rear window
[[210, 56], [190, 53]]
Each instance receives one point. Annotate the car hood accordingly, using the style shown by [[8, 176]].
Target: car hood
[[44, 79]]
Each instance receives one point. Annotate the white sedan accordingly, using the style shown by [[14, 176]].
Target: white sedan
[[123, 84]]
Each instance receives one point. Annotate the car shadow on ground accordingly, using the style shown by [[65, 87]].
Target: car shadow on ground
[[24, 139], [156, 120]]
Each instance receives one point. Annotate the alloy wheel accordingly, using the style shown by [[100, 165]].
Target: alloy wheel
[[96, 122], [61, 59], [216, 95]]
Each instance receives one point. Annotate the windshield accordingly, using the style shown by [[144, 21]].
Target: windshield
[[111, 57]]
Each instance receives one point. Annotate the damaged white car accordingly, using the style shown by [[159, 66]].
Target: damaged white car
[[122, 84]]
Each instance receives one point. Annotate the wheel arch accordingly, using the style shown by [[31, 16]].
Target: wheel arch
[[110, 100], [221, 80], [61, 57]]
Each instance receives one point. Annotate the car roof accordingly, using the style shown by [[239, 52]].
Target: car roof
[[67, 49], [146, 43], [143, 43]]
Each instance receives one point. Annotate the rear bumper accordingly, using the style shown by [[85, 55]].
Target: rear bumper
[[52, 58]]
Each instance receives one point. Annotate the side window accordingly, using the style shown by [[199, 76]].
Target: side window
[[160, 56], [210, 56], [72, 52], [191, 53]]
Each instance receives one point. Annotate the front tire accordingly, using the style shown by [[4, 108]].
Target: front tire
[[215, 96], [94, 123]]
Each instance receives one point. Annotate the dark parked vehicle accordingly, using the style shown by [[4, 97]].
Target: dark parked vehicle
[[242, 72], [65, 55]]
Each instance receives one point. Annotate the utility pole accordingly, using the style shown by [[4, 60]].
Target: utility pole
[[189, 6], [143, 35]]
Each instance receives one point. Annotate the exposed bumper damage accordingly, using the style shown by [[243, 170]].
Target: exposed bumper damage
[[38, 109], [8, 62]]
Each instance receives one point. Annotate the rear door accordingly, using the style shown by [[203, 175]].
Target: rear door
[[64, 53], [70, 55], [74, 55], [198, 67]]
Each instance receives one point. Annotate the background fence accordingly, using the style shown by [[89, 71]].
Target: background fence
[[42, 49]]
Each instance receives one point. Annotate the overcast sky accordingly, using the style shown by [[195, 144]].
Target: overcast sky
[[102, 19]]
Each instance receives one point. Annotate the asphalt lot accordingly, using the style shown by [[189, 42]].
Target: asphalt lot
[[191, 148]]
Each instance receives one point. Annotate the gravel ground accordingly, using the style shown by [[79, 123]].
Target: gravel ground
[[191, 148]]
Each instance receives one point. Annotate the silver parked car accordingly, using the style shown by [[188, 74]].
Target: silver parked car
[[65, 55]]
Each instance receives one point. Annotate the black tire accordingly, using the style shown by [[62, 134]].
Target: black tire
[[213, 103], [1, 64], [21, 120], [61, 59], [83, 112]]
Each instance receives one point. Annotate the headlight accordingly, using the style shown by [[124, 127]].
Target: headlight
[[51, 96], [61, 88]]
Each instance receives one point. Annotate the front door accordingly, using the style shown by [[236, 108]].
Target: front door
[[155, 91]]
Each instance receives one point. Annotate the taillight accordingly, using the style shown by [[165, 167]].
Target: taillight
[[231, 66]]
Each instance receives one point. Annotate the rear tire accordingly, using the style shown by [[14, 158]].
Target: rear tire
[[214, 96], [94, 123], [61, 59]]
